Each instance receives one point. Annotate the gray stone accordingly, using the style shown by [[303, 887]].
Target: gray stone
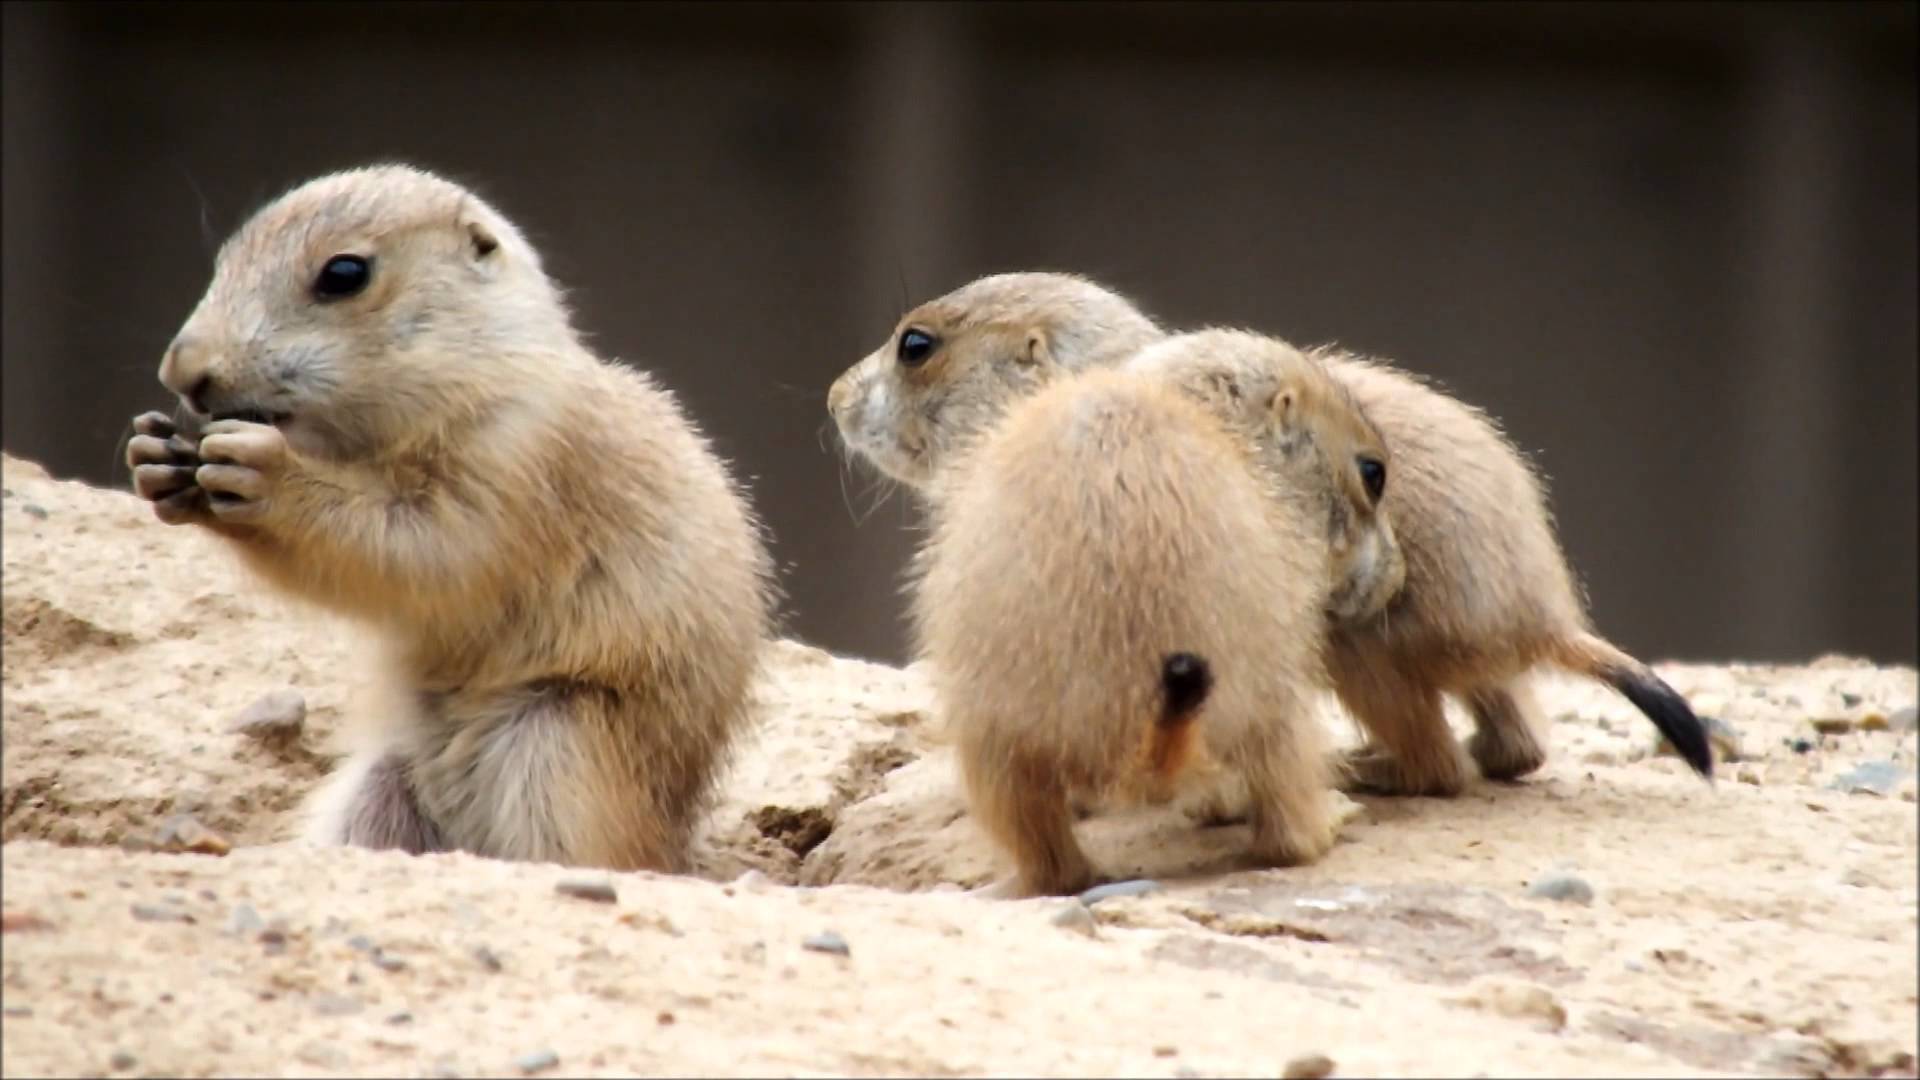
[[538, 1061], [599, 892], [279, 715], [1563, 887], [1113, 889], [1869, 778], [828, 942], [1075, 916]]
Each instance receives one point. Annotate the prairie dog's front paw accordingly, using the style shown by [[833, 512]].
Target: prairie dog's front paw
[[241, 464], [163, 462]]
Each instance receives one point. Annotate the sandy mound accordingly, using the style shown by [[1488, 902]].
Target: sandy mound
[[1766, 925]]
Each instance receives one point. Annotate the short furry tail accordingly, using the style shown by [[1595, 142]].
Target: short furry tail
[[1185, 682], [1592, 656]]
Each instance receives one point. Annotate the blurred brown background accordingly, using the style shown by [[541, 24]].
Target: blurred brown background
[[1672, 246]]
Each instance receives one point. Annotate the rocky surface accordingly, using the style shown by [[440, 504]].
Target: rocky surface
[[163, 718]]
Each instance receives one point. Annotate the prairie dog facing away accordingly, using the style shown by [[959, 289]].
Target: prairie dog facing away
[[570, 589], [1116, 605], [953, 364], [1487, 594]]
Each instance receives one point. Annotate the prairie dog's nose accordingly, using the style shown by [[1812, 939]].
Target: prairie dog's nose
[[840, 394], [184, 371]]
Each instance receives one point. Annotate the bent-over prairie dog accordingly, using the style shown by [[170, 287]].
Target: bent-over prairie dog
[[570, 589], [1487, 594], [1115, 606]]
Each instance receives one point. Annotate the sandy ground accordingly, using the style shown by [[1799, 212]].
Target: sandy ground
[[1763, 925]]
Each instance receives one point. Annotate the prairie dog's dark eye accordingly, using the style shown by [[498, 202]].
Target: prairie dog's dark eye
[[916, 346], [1373, 476], [343, 276]]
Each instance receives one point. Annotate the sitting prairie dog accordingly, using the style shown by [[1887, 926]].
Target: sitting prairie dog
[[1116, 605], [954, 363], [1487, 594], [570, 590]]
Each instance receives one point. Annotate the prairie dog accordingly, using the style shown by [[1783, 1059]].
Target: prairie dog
[[1486, 595], [1241, 377], [1115, 606], [570, 589], [952, 364]]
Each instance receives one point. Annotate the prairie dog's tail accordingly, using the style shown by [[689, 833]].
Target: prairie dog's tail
[[1185, 682], [1593, 656]]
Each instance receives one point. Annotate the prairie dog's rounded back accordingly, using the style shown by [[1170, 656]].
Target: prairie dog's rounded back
[[1107, 524], [1483, 564], [954, 364]]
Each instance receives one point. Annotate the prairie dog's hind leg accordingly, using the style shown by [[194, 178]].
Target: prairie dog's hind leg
[[1410, 750], [1507, 742], [369, 802], [1030, 818]]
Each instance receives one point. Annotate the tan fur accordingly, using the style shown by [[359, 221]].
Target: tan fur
[[1249, 381], [1000, 338], [1106, 524], [571, 589], [1486, 593]]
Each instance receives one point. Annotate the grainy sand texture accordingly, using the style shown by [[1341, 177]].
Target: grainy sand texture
[[1610, 916]]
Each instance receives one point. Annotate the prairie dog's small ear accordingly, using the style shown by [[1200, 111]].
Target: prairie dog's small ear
[[1285, 404], [1037, 351], [480, 239]]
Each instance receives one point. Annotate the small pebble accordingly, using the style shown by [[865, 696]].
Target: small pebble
[[1308, 1067], [828, 942], [538, 1061], [1076, 917], [183, 833], [1802, 746], [361, 943], [35, 509], [244, 919], [1873, 721], [665, 1019], [1869, 778], [1748, 775], [1849, 700], [155, 913], [279, 715], [597, 891], [400, 1018], [485, 958], [1832, 725], [1565, 887], [388, 963], [121, 1061], [17, 1010], [1111, 890], [1904, 718], [1165, 1051]]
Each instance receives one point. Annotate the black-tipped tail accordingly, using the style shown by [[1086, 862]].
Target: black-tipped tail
[[1668, 711], [1186, 680]]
